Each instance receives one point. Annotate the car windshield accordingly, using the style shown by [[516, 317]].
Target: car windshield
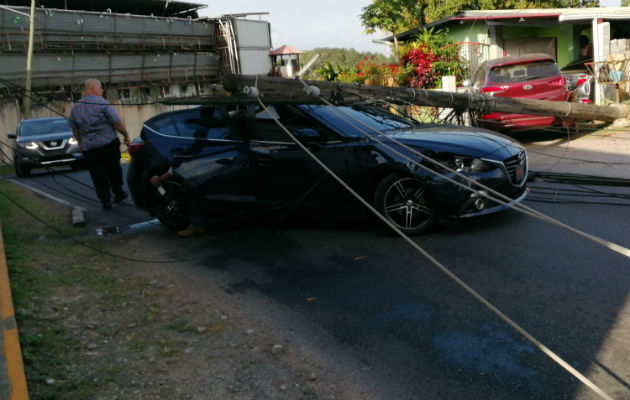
[[523, 72], [356, 122], [41, 127]]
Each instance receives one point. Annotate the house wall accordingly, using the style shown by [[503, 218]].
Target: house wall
[[567, 36], [133, 115], [470, 33], [562, 33]]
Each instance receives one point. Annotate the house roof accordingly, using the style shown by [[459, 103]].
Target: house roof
[[532, 15], [285, 50]]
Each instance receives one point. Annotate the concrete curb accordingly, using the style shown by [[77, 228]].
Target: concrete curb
[[12, 377]]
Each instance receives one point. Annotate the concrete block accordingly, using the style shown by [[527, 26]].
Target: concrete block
[[78, 217]]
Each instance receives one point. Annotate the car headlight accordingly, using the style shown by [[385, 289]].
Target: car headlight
[[72, 141], [30, 145], [468, 164]]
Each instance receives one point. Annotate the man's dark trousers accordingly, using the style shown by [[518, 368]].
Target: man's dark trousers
[[104, 165]]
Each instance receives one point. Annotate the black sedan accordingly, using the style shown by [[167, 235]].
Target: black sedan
[[44, 143], [225, 159]]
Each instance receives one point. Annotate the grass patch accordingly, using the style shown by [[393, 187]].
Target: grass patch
[[72, 303], [6, 170]]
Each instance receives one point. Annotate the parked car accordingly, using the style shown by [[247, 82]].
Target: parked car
[[532, 76], [232, 160], [42, 143], [580, 81]]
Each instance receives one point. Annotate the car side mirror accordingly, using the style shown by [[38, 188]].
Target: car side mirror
[[308, 135], [12, 135]]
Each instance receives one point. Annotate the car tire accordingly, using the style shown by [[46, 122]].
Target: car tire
[[170, 206], [407, 203], [78, 165], [21, 171]]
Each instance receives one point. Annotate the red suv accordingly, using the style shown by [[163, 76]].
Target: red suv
[[532, 76]]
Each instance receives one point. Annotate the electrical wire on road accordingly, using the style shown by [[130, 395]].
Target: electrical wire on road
[[223, 251], [443, 268], [415, 245], [498, 197]]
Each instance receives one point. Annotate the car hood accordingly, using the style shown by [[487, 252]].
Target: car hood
[[465, 141], [45, 137]]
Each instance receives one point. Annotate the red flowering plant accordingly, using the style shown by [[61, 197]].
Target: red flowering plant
[[422, 63], [431, 56], [367, 71], [420, 59]]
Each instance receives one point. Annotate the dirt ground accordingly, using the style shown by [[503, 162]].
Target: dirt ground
[[221, 349], [137, 316], [589, 151]]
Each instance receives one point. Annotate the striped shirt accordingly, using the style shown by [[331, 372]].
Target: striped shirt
[[94, 117]]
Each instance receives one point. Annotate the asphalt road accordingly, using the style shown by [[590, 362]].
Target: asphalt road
[[413, 332]]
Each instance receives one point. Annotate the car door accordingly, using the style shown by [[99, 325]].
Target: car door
[[285, 175], [206, 148]]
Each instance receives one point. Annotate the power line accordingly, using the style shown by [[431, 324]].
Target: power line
[[444, 269]]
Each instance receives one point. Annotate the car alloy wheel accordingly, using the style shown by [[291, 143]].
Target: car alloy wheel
[[407, 203], [170, 205]]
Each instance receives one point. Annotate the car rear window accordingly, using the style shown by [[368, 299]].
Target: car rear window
[[31, 128], [523, 72], [198, 123]]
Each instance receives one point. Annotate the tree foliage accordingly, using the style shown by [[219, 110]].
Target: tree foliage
[[421, 63], [338, 60], [437, 9], [397, 16], [393, 16]]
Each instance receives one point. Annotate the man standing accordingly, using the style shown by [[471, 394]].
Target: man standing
[[94, 123]]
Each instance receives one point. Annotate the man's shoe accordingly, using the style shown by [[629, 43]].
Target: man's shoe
[[192, 230], [107, 206], [120, 198]]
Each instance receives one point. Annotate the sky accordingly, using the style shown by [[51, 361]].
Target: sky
[[306, 25]]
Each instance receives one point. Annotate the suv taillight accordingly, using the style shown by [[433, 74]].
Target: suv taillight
[[556, 83], [582, 79], [493, 89]]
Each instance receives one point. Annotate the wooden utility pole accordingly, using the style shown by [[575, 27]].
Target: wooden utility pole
[[275, 89], [29, 62]]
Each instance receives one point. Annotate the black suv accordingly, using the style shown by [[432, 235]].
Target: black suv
[[44, 142]]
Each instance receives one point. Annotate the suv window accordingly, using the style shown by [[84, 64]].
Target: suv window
[[523, 72]]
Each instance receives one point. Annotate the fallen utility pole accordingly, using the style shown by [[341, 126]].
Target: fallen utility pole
[[274, 89]]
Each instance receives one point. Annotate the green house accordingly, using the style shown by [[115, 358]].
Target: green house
[[488, 34]]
